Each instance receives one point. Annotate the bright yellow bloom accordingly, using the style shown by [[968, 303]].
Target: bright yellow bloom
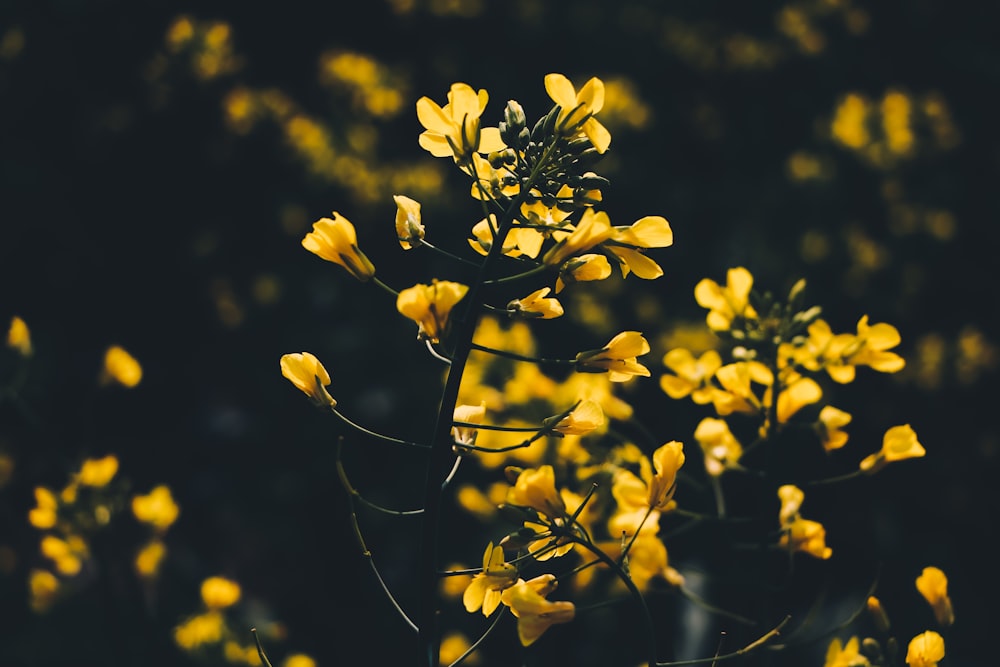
[[198, 630], [583, 268], [149, 558], [519, 240], [19, 337], [933, 585], [618, 357], [536, 488], [219, 592], [799, 391], [44, 586], [829, 424], [925, 650], [485, 588], [335, 240], [667, 459], [721, 448], [808, 537], [430, 305], [841, 655], [840, 354], [157, 508], [898, 443], [737, 394], [578, 109], [98, 472], [594, 227], [537, 305], [791, 498], [43, 515], [409, 229], [534, 613], [692, 375], [627, 243], [453, 130], [726, 303], [585, 417], [473, 414], [121, 367], [309, 376]]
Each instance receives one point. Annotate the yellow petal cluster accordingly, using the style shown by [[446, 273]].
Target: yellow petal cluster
[[430, 305], [454, 129], [619, 358], [309, 376], [576, 114], [335, 240]]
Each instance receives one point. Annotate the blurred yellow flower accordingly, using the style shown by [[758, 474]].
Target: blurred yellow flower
[[19, 337], [308, 375], [430, 305], [692, 375], [219, 592], [43, 515], [898, 443], [149, 558], [298, 660], [737, 393], [791, 498], [829, 424], [453, 646], [726, 303], [536, 488], [534, 613], [335, 240], [120, 367], [845, 655], [925, 650], [720, 447], [799, 391], [618, 357], [808, 537], [453, 130], [583, 268], [43, 587], [877, 612], [585, 417], [67, 555], [537, 305], [933, 585], [577, 112], [485, 588], [156, 508], [409, 229], [98, 472], [199, 630]]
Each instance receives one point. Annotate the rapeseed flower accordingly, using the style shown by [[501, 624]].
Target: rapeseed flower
[[309, 376], [335, 240]]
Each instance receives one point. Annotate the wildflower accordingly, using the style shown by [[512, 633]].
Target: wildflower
[[43, 586], [537, 305], [202, 629], [409, 229], [120, 367], [536, 488], [485, 588], [466, 435], [19, 337], [583, 268], [157, 508], [335, 240], [799, 391], [791, 498], [534, 613], [737, 394], [98, 472], [845, 655], [453, 130], [925, 650], [692, 375], [578, 109], [219, 592], [308, 375], [667, 459], [829, 424], [584, 418], [898, 443], [726, 303], [430, 305], [627, 243], [806, 536], [933, 585], [43, 515], [150, 557], [593, 228], [618, 357], [66, 554], [721, 448]]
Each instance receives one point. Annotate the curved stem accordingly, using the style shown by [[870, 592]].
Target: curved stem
[[521, 357], [379, 436], [385, 287], [479, 641], [541, 268], [437, 355], [447, 254], [757, 643]]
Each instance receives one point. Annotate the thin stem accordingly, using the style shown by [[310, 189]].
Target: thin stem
[[541, 268], [520, 357], [496, 427], [381, 284], [379, 436], [353, 493], [437, 355], [447, 254], [690, 595], [479, 641], [834, 480], [260, 649], [720, 499], [454, 469], [757, 643]]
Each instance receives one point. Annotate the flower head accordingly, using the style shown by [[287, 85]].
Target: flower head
[[933, 585], [219, 592], [726, 303], [829, 425], [721, 448], [335, 240], [534, 613], [692, 375], [538, 304], [577, 110], [536, 488], [925, 650], [791, 498], [430, 305], [593, 228], [485, 588], [806, 536], [157, 508], [471, 414], [121, 367], [584, 418], [898, 443], [667, 460], [306, 372], [583, 268], [453, 130], [839, 654], [98, 472], [19, 337], [619, 357], [627, 243], [409, 229]]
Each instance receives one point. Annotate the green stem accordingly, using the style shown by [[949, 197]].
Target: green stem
[[521, 357]]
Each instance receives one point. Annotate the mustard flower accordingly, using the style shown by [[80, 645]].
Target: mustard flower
[[874, 342], [839, 654], [829, 424], [578, 109], [692, 375], [453, 130], [538, 304], [737, 394], [19, 337], [594, 228], [198, 630], [157, 508], [335, 240], [534, 613], [925, 650], [583, 268], [491, 183], [933, 585], [585, 417], [898, 443], [798, 392], [485, 588], [308, 375], [472, 414], [43, 515], [98, 472], [121, 367], [627, 243], [806, 536], [44, 587], [667, 459], [618, 357], [721, 448], [150, 557], [791, 498], [219, 592], [726, 303], [430, 305], [66, 554], [409, 229], [536, 488]]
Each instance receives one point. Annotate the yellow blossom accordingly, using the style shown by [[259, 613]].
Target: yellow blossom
[[149, 558], [583, 268], [594, 227], [19, 337], [585, 417], [430, 305], [721, 448], [409, 229], [933, 585], [791, 498], [726, 303], [925, 650], [737, 394], [120, 367], [536, 488], [667, 459], [627, 244], [577, 112], [98, 472], [692, 375], [829, 424], [454, 129], [485, 588], [309, 376], [65, 554], [156, 508], [537, 305], [534, 613], [898, 443], [43, 587], [618, 357], [473, 414], [198, 630], [43, 515], [845, 655], [799, 391], [219, 592], [335, 240], [808, 537]]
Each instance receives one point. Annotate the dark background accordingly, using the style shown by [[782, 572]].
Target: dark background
[[131, 213]]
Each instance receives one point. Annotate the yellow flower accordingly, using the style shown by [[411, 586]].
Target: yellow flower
[[219, 592], [198, 630], [534, 613], [430, 305], [583, 268], [473, 414], [44, 586], [19, 337], [841, 655], [120, 367], [898, 443], [720, 447], [626, 243], [594, 227], [618, 357], [43, 515], [409, 229], [298, 660], [536, 488], [485, 588], [791, 498], [667, 460], [66, 554], [925, 650], [537, 305], [726, 303], [933, 585], [98, 472], [829, 424], [808, 537], [692, 375], [453, 130], [586, 417], [799, 391], [335, 240], [877, 612], [737, 393], [157, 508], [149, 558], [578, 109], [309, 376]]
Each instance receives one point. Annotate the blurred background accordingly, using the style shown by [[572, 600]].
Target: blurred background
[[160, 163]]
